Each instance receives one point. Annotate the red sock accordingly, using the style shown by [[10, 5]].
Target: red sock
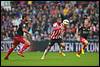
[[9, 52], [80, 51], [23, 48], [84, 46]]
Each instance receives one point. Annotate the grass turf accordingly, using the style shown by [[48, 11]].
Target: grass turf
[[52, 59]]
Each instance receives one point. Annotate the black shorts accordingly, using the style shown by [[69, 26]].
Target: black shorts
[[53, 41]]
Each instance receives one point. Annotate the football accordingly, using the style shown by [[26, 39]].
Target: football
[[65, 21]]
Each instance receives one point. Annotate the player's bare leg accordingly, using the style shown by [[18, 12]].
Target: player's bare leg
[[45, 52], [84, 46], [62, 47], [26, 45], [84, 43], [15, 43], [78, 39]]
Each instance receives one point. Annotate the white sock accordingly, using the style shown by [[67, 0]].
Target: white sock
[[44, 53]]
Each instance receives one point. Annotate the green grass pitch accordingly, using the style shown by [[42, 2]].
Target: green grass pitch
[[52, 59]]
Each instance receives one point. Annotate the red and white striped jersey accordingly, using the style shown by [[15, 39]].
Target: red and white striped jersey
[[58, 30]]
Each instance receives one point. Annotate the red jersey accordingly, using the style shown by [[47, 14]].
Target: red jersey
[[58, 30]]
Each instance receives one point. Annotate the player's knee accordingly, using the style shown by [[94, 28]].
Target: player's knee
[[28, 43], [86, 42], [48, 47], [62, 45]]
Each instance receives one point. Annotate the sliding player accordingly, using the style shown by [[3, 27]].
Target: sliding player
[[18, 38], [55, 37], [82, 35]]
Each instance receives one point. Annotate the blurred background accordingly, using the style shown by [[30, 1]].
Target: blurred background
[[43, 14]]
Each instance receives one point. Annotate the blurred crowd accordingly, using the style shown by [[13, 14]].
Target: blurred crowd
[[44, 13]]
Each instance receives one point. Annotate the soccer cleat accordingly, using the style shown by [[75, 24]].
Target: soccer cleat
[[63, 54], [20, 54], [82, 51], [42, 57], [6, 58], [77, 55]]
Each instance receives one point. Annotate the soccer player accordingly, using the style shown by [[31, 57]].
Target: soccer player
[[55, 37], [82, 35], [18, 38]]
